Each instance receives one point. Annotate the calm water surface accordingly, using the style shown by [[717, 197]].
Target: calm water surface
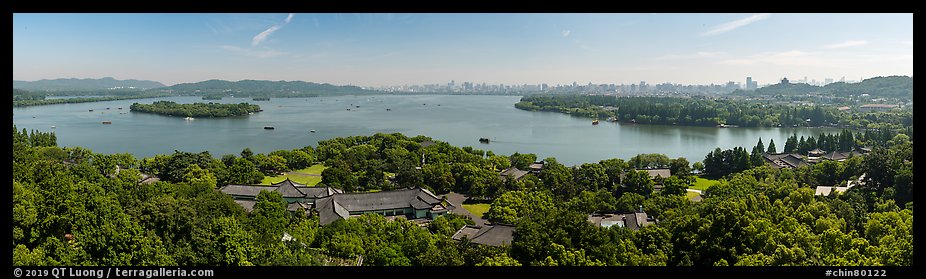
[[459, 120]]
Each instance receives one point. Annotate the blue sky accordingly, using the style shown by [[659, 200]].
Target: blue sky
[[397, 49]]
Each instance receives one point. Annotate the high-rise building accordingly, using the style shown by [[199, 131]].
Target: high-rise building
[[749, 83]]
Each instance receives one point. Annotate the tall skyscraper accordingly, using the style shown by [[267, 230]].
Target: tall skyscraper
[[749, 83]]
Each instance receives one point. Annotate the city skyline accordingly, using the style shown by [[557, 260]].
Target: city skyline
[[376, 50]]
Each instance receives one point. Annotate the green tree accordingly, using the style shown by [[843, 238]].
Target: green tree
[[244, 172], [638, 182], [512, 205]]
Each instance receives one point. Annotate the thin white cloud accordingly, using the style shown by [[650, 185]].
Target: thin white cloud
[[732, 25], [566, 33], [263, 35], [846, 44]]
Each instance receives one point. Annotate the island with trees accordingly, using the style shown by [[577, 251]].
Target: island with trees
[[72, 206], [693, 111], [196, 109]]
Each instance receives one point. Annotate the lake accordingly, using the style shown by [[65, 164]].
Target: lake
[[458, 120]]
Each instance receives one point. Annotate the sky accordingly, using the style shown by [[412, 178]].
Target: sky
[[407, 49]]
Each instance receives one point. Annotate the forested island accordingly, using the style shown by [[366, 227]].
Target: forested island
[[75, 207], [196, 109], [710, 112]]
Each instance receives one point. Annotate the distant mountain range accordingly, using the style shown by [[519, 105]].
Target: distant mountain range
[[70, 84], [884, 87], [264, 88]]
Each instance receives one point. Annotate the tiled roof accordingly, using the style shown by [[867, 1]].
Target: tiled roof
[[245, 190], [493, 235], [664, 173], [247, 204], [287, 188], [784, 160], [340, 205], [513, 172]]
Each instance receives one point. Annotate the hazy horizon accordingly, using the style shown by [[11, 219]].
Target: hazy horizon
[[375, 50]]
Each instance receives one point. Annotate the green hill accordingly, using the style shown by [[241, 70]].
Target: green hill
[[883, 87], [265, 88]]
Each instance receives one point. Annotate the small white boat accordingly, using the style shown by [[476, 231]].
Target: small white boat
[[312, 131], [52, 126], [189, 118]]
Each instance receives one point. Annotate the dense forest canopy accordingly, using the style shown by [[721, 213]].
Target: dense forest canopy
[[75, 207], [708, 112]]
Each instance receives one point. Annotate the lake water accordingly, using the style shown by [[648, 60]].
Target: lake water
[[458, 120]]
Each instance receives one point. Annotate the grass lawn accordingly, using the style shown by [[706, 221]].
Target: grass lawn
[[703, 183], [315, 169], [477, 209], [302, 179]]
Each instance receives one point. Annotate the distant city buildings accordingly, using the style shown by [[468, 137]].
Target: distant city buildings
[[751, 84], [639, 88]]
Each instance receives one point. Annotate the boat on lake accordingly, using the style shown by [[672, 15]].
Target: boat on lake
[[388, 109], [91, 110], [484, 140], [312, 131], [189, 118], [268, 128], [595, 122], [107, 122]]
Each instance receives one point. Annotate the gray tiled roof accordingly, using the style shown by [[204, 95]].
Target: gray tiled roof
[[297, 206], [247, 204], [415, 198], [664, 173], [839, 155], [467, 231], [784, 160], [330, 211], [513, 172], [340, 205], [493, 235], [245, 190], [318, 192], [288, 189]]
